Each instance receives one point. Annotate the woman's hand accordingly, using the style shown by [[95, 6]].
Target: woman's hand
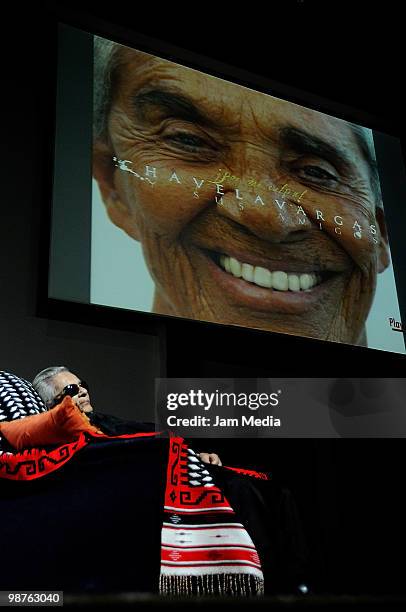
[[210, 458]]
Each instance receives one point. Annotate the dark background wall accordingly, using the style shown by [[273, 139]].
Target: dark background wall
[[349, 491], [119, 366]]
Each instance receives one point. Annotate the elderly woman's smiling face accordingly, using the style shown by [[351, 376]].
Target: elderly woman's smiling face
[[256, 257]]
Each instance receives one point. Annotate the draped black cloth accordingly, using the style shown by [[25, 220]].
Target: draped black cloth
[[94, 525], [116, 426]]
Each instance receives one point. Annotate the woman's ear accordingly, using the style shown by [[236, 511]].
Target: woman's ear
[[383, 254], [105, 173]]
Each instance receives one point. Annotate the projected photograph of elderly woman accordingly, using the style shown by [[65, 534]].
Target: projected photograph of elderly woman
[[214, 202]]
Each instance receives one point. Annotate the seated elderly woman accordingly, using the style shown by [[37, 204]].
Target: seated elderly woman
[[56, 382], [140, 511]]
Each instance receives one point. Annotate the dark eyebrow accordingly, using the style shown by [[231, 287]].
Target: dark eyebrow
[[304, 143], [171, 104]]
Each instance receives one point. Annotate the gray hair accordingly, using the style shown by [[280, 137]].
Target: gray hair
[[106, 62], [43, 384], [104, 65]]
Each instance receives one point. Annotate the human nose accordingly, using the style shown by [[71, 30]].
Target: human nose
[[264, 213]]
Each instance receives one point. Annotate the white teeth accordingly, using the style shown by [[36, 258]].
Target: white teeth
[[294, 282], [248, 272], [305, 280], [262, 277], [235, 267], [225, 262], [281, 281]]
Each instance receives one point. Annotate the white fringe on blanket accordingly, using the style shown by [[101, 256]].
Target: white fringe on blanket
[[237, 585]]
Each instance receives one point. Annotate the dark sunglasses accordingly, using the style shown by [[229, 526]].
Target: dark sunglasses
[[69, 390]]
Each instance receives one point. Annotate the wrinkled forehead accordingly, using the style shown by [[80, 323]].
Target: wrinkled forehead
[[228, 104]]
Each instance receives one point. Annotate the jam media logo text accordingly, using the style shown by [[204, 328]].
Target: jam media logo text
[[396, 325]]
